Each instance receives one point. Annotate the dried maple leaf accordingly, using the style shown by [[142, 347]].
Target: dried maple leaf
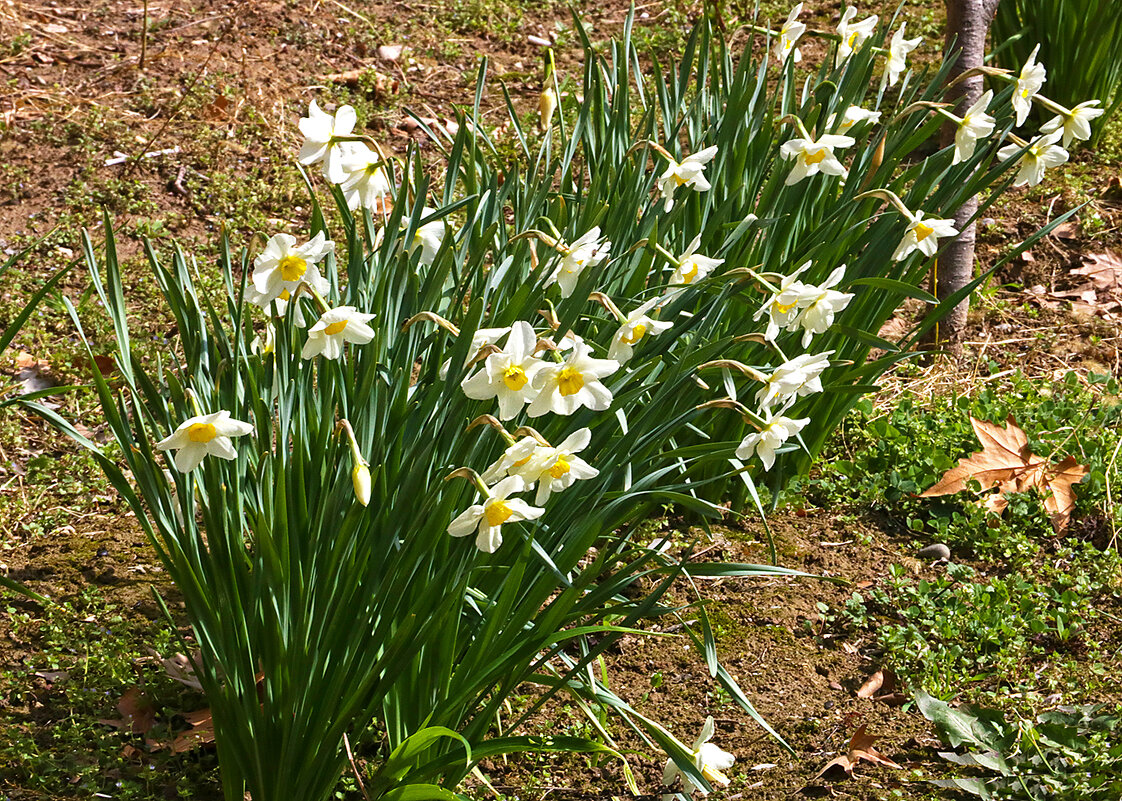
[[1104, 270], [1007, 464], [860, 748]]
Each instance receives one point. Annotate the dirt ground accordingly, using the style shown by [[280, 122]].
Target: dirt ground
[[202, 135]]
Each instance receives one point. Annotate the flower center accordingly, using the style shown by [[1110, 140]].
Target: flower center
[[923, 230], [816, 157], [679, 180], [514, 377], [637, 332], [497, 513], [783, 308], [570, 381], [853, 39], [202, 432], [285, 295], [335, 328], [691, 273], [713, 775], [560, 467], [521, 462], [292, 268]]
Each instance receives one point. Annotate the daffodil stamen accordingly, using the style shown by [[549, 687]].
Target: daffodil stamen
[[497, 513], [570, 381], [292, 268], [202, 432], [560, 467], [514, 377]]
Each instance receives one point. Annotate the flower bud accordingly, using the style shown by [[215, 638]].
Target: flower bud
[[360, 477], [547, 104]]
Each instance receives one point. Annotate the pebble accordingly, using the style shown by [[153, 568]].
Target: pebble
[[934, 552]]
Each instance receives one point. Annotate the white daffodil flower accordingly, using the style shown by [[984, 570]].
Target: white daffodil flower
[[516, 460], [898, 50], [1029, 81], [366, 183], [851, 117], [564, 388], [1041, 154], [336, 326], [974, 125], [710, 761], [852, 35], [637, 325], [1076, 123], [320, 131], [819, 304], [282, 267], [488, 517], [692, 266], [207, 434], [691, 172], [483, 336], [587, 251], [763, 443], [923, 234], [556, 469], [794, 378], [815, 156], [785, 43], [428, 238], [509, 374], [782, 307]]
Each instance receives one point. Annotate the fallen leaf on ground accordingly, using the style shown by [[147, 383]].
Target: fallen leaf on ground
[[1006, 464], [1104, 270], [860, 748], [138, 714]]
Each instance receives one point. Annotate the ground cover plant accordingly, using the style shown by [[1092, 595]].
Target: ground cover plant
[[745, 390]]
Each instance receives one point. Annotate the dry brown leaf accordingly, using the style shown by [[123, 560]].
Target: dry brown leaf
[[860, 748], [1104, 270], [1006, 464], [872, 685], [138, 714]]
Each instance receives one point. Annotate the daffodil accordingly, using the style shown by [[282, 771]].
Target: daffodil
[[898, 50], [789, 33], [638, 325], [488, 517], [321, 140], [853, 34], [366, 184], [1041, 154], [1076, 123], [1029, 81], [481, 338], [783, 306], [852, 116], [556, 469], [205, 435], [692, 266], [813, 156], [282, 267], [974, 125], [819, 304], [563, 388], [587, 251], [428, 239], [509, 374], [923, 234], [547, 104], [336, 326], [709, 760], [794, 378], [771, 436], [516, 461], [690, 172]]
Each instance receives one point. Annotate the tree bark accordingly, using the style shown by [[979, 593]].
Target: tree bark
[[968, 23]]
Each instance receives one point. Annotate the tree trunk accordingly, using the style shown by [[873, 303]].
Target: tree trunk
[[968, 23]]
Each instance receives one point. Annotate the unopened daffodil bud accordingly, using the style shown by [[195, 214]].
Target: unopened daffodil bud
[[360, 477], [547, 104]]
